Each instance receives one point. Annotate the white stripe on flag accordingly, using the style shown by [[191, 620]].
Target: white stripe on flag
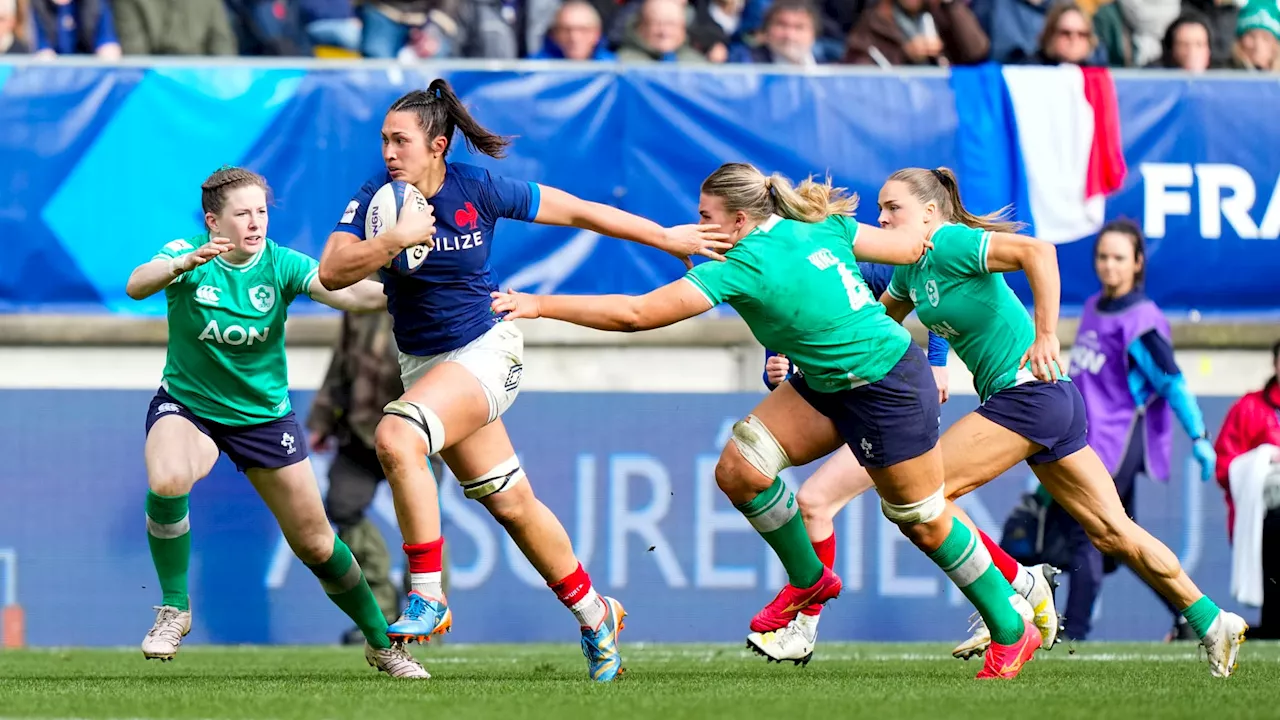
[[1055, 137]]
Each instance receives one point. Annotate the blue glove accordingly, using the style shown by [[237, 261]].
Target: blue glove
[[1208, 459]]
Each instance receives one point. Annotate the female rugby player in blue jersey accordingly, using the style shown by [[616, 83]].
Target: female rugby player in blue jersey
[[461, 368]]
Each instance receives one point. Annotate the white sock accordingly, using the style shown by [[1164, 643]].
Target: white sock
[[428, 584], [590, 610], [808, 624], [1024, 583]]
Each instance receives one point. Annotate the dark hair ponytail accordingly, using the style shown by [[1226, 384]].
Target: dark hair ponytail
[[440, 112]]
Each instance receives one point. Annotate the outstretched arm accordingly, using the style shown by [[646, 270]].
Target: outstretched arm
[[1007, 252], [364, 296], [667, 305], [557, 207], [891, 247]]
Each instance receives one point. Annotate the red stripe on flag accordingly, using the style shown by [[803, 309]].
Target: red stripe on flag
[[1107, 168]]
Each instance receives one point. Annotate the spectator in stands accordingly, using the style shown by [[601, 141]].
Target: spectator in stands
[[439, 38], [1067, 37], [1147, 21], [790, 35], [268, 27], [504, 29], [1222, 16], [918, 32], [1253, 421], [706, 33], [331, 23], [164, 27], [576, 34], [661, 35], [1258, 37], [75, 27], [1187, 44], [11, 24], [386, 25]]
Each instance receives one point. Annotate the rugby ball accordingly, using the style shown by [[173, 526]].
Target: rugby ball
[[384, 212]]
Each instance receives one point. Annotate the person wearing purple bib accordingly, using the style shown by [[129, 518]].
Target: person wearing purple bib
[[1123, 364]]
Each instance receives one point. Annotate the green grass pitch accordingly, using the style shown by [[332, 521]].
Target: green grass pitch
[[668, 682]]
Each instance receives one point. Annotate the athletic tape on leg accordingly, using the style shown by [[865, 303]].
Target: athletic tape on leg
[[420, 418], [930, 508], [501, 478], [759, 447]]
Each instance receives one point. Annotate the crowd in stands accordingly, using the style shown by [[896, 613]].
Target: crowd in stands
[[1192, 35]]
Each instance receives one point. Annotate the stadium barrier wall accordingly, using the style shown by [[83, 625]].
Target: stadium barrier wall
[[100, 164], [630, 475]]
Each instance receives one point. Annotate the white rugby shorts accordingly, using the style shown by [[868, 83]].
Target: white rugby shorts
[[496, 359]]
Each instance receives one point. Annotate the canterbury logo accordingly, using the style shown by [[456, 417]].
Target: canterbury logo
[[207, 294]]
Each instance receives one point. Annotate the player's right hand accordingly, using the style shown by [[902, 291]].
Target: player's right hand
[[415, 226], [776, 369], [206, 252], [514, 305]]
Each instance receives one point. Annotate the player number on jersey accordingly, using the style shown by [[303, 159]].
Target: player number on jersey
[[858, 292], [944, 331]]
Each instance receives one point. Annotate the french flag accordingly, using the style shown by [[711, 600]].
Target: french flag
[[1044, 139]]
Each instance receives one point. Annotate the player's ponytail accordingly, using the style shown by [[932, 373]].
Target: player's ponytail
[[743, 187], [440, 112], [214, 190], [941, 187]]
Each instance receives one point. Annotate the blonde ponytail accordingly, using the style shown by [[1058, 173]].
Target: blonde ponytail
[[743, 187]]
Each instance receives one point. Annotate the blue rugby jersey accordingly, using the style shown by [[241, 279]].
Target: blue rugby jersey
[[444, 303]]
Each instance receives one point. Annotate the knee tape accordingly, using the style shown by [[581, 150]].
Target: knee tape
[[930, 508], [759, 447], [420, 418], [501, 478]]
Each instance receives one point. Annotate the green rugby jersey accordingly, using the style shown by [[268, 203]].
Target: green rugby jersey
[[798, 288], [226, 357]]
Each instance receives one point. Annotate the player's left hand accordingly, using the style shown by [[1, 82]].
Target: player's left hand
[[685, 241], [1204, 453], [943, 381], [514, 305], [1043, 355]]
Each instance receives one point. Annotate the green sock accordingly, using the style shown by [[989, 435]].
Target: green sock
[[344, 581], [1201, 614], [169, 535], [775, 515], [966, 561]]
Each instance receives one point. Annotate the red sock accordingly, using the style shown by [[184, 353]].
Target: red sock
[[573, 588], [1007, 566], [826, 550], [425, 557]]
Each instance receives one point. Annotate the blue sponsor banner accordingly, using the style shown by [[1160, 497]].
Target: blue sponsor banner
[[630, 475], [100, 165]]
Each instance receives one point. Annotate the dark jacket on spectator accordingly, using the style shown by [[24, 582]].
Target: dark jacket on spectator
[[963, 40], [551, 51], [761, 54], [312, 10], [164, 27], [93, 26], [1012, 25], [18, 47]]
